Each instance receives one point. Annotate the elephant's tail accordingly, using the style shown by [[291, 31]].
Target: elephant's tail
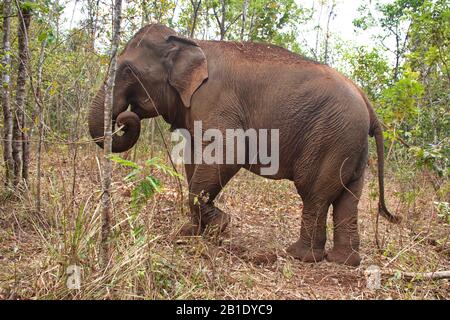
[[377, 132]]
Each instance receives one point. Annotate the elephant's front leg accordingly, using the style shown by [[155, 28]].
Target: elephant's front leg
[[189, 168], [204, 185]]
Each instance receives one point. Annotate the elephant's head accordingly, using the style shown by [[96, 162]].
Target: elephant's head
[[157, 74]]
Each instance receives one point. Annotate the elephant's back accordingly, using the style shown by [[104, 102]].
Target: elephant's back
[[253, 53]]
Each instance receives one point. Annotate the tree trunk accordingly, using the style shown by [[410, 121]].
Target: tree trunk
[[221, 20], [7, 115], [397, 57], [244, 18], [222, 25], [145, 15], [252, 24], [318, 29], [20, 145], [196, 7], [106, 249], [41, 125], [327, 35], [92, 7]]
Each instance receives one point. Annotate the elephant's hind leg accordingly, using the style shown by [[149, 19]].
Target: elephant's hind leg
[[345, 214], [204, 185], [310, 247], [317, 189]]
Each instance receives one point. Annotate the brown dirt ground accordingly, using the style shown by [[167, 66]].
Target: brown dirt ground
[[247, 262]]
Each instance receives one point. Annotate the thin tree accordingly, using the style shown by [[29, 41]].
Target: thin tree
[[106, 248], [41, 124], [318, 29], [6, 103], [221, 18], [196, 8], [145, 17], [244, 18], [20, 144], [92, 7], [331, 15]]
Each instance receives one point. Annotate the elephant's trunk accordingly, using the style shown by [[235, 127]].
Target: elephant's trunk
[[129, 120]]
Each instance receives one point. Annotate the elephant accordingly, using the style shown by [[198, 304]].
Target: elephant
[[323, 119]]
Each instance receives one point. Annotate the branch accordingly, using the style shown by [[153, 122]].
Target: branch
[[373, 276], [403, 142], [217, 17], [233, 22], [418, 276]]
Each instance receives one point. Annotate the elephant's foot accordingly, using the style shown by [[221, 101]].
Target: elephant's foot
[[190, 229], [216, 222], [345, 256], [305, 254]]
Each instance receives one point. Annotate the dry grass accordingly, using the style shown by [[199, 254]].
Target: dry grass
[[249, 261]]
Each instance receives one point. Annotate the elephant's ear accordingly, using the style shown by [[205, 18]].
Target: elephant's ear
[[187, 67]]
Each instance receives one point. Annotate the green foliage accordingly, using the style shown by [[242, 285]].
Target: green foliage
[[443, 209], [434, 157], [430, 37], [144, 185], [430, 56], [33, 6], [266, 21], [394, 20], [399, 101], [275, 21], [411, 96], [369, 68], [365, 20], [161, 11], [393, 14]]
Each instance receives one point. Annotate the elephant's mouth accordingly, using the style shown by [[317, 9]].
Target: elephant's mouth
[[127, 131], [126, 124]]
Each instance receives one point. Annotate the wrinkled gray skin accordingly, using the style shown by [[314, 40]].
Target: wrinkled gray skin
[[323, 118]]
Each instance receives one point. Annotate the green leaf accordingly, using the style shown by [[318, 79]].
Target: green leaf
[[155, 183], [132, 175], [123, 162], [156, 163], [29, 5]]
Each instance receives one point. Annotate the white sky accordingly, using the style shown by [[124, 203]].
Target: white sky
[[342, 22]]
